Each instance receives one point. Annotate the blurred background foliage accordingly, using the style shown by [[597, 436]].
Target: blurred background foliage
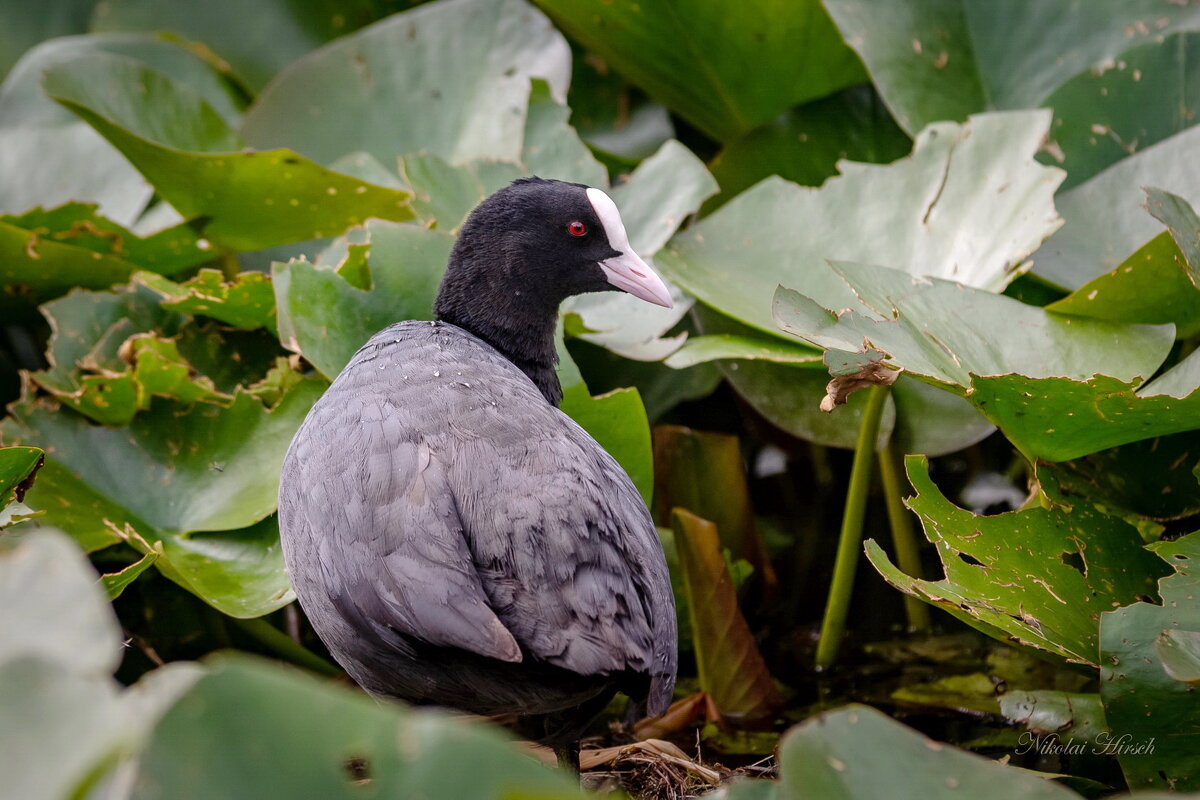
[[934, 261]]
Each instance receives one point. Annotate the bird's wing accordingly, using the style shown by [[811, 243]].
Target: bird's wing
[[384, 530], [564, 545], [460, 508]]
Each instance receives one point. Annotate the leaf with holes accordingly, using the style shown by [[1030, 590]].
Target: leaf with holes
[[1142, 699], [199, 479], [246, 302], [1041, 576]]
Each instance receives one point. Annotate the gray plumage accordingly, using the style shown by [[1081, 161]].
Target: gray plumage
[[456, 539]]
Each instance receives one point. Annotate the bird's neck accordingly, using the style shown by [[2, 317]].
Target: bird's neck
[[521, 329]]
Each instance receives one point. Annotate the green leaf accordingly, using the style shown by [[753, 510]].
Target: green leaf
[[45, 254], [214, 472], [246, 302], [55, 610], [450, 78], [1151, 286], [1069, 715], [1141, 698], [248, 200], [1105, 221], [1126, 104], [857, 752], [712, 347], [731, 668], [49, 157], [27, 22], [1179, 652], [1150, 480], [617, 421], [703, 473], [247, 727], [256, 42], [970, 204], [944, 59], [115, 583], [326, 319], [1040, 576], [706, 64], [18, 466], [1183, 223], [1058, 419], [947, 333], [805, 144], [70, 725]]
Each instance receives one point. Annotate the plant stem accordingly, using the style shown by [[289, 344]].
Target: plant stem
[[850, 540], [229, 265], [903, 539], [282, 645]]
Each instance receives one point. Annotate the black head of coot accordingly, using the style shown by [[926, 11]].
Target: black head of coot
[[523, 251]]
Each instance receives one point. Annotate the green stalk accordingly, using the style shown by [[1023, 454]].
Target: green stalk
[[908, 556], [850, 540], [282, 645]]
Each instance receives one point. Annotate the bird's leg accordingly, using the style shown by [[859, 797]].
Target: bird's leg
[[568, 755]]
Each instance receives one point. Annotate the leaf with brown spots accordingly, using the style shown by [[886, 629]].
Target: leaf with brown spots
[[1041, 576]]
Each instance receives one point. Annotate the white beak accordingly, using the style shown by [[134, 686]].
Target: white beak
[[626, 271], [629, 273]]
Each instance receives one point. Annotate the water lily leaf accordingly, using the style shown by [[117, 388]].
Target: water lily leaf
[[1179, 652], [1142, 701], [617, 421], [450, 78], [254, 42], [326, 319], [946, 333], [615, 118], [931, 213], [27, 23], [717, 346], [703, 473], [246, 302], [272, 752], [56, 611], [249, 201], [212, 468], [1183, 223], [1076, 417], [731, 668], [1040, 576], [1147, 481], [115, 583], [857, 752], [1151, 286], [1105, 221], [805, 144], [1069, 715], [50, 157], [18, 466], [943, 59], [657, 47], [1127, 103]]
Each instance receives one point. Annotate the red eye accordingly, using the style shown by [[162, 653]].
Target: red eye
[[577, 228]]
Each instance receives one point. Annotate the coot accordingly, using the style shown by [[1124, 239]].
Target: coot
[[453, 537]]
